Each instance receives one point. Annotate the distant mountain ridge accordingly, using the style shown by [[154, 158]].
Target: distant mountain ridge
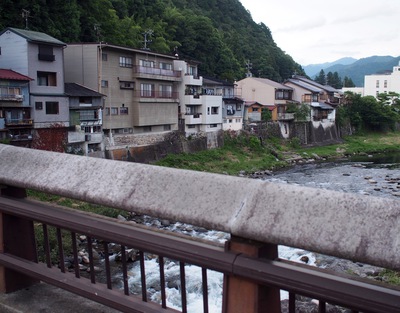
[[313, 70], [355, 70]]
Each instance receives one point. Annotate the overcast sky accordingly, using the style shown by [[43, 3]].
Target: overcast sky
[[315, 31]]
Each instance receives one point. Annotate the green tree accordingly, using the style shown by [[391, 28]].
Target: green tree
[[321, 78], [347, 82]]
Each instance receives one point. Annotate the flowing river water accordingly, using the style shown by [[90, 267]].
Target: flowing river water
[[376, 175]]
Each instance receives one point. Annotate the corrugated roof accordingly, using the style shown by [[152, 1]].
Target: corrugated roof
[[12, 75], [35, 36], [76, 90]]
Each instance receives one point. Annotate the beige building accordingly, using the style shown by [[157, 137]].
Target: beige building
[[141, 86], [267, 93]]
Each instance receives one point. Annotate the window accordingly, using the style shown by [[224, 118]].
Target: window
[[282, 94], [213, 125], [255, 109], [192, 70], [214, 110], [377, 84], [46, 53], [104, 57], [125, 62], [146, 63], [39, 105], [167, 127], [114, 111], [123, 111], [147, 90], [88, 115], [46, 79], [52, 108], [104, 83], [126, 85], [146, 128], [385, 84], [238, 120], [165, 66], [238, 107], [166, 91]]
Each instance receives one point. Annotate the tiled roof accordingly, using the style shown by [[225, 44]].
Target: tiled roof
[[305, 85], [271, 83], [12, 75], [35, 36], [76, 90]]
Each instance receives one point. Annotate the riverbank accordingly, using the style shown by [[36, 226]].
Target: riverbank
[[247, 154]]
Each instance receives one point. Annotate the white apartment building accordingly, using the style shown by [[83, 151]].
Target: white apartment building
[[382, 83]]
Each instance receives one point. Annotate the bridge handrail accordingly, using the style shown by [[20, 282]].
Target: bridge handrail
[[352, 226]]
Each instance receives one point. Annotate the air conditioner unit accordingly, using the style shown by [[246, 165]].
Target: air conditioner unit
[[88, 137]]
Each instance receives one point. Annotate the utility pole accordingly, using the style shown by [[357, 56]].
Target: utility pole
[[148, 33], [25, 15]]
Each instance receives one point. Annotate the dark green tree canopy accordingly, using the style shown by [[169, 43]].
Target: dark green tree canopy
[[220, 34]]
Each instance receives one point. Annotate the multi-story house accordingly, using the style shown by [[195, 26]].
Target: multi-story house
[[15, 112], [85, 135], [232, 105], [312, 95], [140, 85], [200, 105], [39, 56], [382, 83], [190, 102], [268, 93]]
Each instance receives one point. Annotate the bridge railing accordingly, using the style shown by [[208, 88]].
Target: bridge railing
[[258, 215]]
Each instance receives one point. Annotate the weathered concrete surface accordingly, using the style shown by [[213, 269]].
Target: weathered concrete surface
[[44, 298], [357, 227]]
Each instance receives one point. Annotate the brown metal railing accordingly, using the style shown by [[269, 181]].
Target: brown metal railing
[[253, 272]]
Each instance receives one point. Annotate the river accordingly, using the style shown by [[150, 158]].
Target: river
[[377, 175]]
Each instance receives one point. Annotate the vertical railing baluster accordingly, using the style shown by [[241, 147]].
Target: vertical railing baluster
[[322, 307], [143, 276], [124, 270], [75, 253], [60, 250], [183, 287], [292, 302], [91, 265], [205, 289], [107, 264], [162, 282], [46, 245]]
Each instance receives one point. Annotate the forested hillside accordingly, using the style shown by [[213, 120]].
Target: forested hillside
[[219, 33]]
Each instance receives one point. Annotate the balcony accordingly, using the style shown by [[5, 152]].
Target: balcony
[[18, 122], [10, 97], [192, 80], [152, 95], [156, 73], [191, 119], [285, 116], [192, 100]]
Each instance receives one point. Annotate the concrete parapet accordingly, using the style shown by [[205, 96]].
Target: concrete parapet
[[352, 226]]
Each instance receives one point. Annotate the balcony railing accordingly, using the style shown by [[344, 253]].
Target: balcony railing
[[156, 71], [156, 94], [285, 116], [19, 122], [8, 97]]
